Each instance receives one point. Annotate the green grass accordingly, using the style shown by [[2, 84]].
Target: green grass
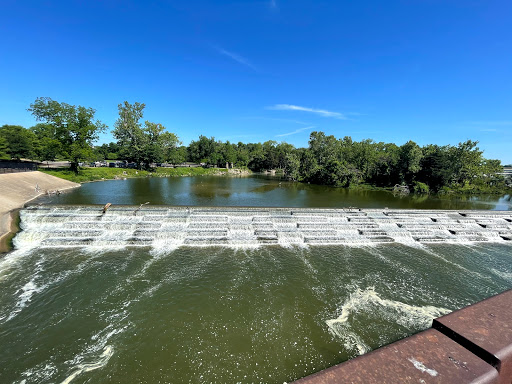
[[103, 173]]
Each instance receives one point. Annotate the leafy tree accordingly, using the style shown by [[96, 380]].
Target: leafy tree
[[229, 153], [171, 151], [271, 159], [21, 142], [74, 126], [242, 155], [435, 167], [49, 146], [282, 151], [176, 155], [110, 151], [203, 150], [256, 157], [129, 132], [466, 160], [4, 148], [309, 167], [410, 158], [152, 148], [292, 166], [386, 173]]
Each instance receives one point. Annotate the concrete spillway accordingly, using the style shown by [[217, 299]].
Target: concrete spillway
[[170, 227]]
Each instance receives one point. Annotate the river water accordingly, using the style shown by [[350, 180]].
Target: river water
[[116, 313], [259, 191]]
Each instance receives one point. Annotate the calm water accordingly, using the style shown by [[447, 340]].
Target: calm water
[[212, 314], [258, 191]]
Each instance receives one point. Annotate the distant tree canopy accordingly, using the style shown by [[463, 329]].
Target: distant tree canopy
[[69, 132], [71, 128], [146, 144], [18, 142]]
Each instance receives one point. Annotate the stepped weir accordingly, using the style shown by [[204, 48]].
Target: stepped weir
[[171, 227]]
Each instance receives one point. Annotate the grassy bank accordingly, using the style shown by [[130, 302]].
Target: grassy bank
[[101, 173]]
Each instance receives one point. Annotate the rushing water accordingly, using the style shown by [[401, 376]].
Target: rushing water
[[261, 192], [116, 298]]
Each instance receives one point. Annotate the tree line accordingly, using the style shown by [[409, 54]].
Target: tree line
[[69, 132]]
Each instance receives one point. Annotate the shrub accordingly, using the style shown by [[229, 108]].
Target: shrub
[[420, 187]]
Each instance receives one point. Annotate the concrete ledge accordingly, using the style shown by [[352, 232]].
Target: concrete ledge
[[427, 357], [472, 345], [485, 329]]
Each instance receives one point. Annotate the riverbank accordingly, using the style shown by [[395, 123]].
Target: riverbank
[[102, 173], [17, 189]]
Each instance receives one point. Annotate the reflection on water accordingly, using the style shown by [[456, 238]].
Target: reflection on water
[[260, 191]]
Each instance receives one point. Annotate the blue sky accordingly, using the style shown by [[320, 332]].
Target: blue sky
[[432, 71]]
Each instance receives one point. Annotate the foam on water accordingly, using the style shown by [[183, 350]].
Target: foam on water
[[369, 302], [87, 367]]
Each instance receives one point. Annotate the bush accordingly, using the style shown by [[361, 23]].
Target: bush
[[419, 187]]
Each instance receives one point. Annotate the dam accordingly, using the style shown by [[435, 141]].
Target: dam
[[170, 227], [149, 293]]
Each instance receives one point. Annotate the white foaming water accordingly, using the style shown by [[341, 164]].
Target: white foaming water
[[87, 367], [165, 229], [27, 291], [370, 303], [504, 275]]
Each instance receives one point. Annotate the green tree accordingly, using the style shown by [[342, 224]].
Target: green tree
[[152, 148], [292, 166], [410, 160], [256, 157], [325, 149], [282, 151], [229, 153], [436, 167], [466, 160], [203, 150], [74, 126], [21, 142], [171, 148], [271, 159], [242, 155], [110, 151], [129, 132], [177, 155], [309, 167], [49, 146], [4, 148]]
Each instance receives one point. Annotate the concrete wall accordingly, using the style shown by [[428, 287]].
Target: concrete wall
[[16, 189]]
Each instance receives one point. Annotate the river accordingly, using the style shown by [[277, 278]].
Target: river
[[259, 191], [103, 311]]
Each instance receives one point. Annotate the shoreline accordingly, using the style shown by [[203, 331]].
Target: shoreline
[[18, 189], [11, 224], [103, 174]]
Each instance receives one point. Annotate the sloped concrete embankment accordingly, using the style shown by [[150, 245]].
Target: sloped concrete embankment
[[16, 189]]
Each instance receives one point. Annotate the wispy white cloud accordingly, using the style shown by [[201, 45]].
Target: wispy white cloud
[[296, 131], [239, 59], [321, 112], [276, 119], [273, 4], [500, 123]]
